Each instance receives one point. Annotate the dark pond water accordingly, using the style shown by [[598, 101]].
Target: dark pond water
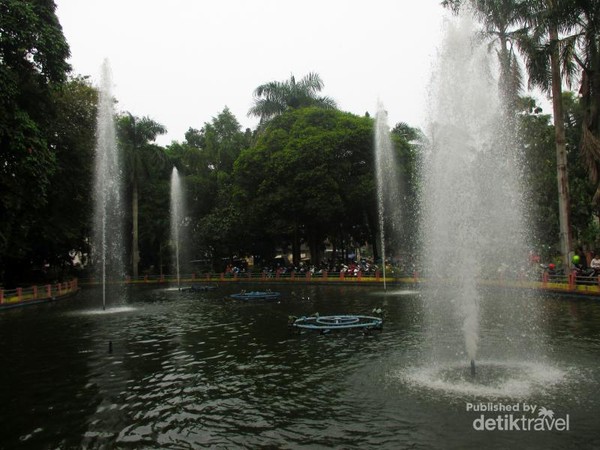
[[190, 370]]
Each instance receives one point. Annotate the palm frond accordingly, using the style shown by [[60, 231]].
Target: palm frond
[[273, 98], [537, 62], [568, 51], [311, 83], [326, 102]]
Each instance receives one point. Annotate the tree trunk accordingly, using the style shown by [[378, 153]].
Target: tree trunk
[[135, 253], [561, 152]]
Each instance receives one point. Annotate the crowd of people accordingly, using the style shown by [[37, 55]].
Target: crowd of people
[[582, 265], [364, 267]]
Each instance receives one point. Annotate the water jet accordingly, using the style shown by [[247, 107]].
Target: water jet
[[472, 204], [388, 187], [107, 244], [176, 219]]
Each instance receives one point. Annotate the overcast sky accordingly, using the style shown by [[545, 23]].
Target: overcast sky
[[181, 62]]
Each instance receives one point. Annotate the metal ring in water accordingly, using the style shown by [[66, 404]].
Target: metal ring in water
[[337, 320]]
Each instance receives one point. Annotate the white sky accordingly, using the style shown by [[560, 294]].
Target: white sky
[[181, 62]]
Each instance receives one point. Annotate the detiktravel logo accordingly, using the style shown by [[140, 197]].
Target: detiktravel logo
[[516, 417]]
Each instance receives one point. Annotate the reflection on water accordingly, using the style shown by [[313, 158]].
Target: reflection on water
[[101, 312], [193, 370], [394, 292]]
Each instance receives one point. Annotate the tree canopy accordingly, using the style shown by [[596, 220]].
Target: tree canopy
[[33, 65], [309, 177]]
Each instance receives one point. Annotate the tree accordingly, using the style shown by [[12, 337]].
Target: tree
[[537, 145], [33, 54], [537, 142], [543, 51], [69, 209], [308, 177], [407, 145], [154, 214], [135, 137], [274, 98], [539, 42], [223, 141], [206, 160], [585, 231], [500, 19]]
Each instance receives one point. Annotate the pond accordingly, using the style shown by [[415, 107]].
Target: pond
[[193, 370]]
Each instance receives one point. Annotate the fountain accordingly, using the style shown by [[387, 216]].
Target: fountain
[[388, 186], [472, 209], [108, 222], [176, 218]]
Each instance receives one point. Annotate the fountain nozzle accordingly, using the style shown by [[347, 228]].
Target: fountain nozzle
[[472, 367]]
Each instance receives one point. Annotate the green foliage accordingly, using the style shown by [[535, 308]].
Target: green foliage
[[309, 176], [33, 55], [407, 143], [70, 205], [136, 136], [539, 161], [142, 156], [581, 190], [154, 219], [205, 160]]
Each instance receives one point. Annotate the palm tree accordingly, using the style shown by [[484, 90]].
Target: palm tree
[[501, 19], [136, 136], [544, 21], [276, 97], [548, 60]]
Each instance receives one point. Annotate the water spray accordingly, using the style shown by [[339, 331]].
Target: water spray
[[388, 195], [176, 217], [108, 184]]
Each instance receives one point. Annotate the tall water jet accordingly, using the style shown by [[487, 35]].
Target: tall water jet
[[176, 218], [108, 222], [472, 218], [388, 184]]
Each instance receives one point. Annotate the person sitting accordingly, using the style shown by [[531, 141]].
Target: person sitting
[[576, 261], [580, 268], [583, 265], [595, 264]]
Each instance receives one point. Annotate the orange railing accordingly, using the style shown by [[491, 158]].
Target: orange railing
[[33, 294]]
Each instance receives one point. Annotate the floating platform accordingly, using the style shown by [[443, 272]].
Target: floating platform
[[326, 324], [256, 295], [198, 288]]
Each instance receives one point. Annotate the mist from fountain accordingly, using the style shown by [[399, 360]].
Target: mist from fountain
[[176, 219], [473, 225], [389, 198], [108, 214]]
